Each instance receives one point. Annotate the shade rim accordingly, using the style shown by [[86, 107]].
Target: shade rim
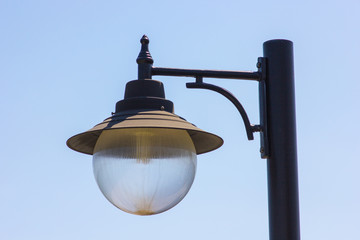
[[203, 141]]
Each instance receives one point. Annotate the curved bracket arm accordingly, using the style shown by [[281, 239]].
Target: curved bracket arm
[[249, 128]]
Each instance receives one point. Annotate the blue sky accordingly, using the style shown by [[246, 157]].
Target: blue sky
[[64, 65]]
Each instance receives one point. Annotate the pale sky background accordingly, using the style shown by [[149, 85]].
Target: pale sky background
[[64, 65]]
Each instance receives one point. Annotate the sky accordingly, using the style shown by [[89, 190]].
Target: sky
[[64, 65]]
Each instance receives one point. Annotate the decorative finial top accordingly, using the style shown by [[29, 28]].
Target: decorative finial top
[[144, 39], [144, 55]]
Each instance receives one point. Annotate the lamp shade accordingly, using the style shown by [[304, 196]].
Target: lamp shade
[[203, 141]]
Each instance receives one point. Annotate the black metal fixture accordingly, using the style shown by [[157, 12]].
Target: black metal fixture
[[144, 156]]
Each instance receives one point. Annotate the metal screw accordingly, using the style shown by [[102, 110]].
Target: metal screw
[[262, 150], [162, 108]]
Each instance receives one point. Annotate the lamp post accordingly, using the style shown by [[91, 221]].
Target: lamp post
[[144, 156]]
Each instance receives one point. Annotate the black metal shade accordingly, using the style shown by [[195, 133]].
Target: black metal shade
[[203, 141], [144, 106]]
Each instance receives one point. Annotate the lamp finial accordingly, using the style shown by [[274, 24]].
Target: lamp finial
[[144, 55]]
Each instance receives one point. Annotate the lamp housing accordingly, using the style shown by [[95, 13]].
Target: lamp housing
[[144, 156]]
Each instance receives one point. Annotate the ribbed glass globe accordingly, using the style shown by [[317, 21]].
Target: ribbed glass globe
[[144, 171]]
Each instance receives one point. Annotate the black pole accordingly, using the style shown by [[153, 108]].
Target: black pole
[[284, 223]]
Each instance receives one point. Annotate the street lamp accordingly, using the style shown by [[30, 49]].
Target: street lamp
[[144, 156]]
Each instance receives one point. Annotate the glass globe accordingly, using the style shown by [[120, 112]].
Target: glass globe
[[144, 171]]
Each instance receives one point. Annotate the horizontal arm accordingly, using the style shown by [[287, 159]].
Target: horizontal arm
[[205, 73]]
